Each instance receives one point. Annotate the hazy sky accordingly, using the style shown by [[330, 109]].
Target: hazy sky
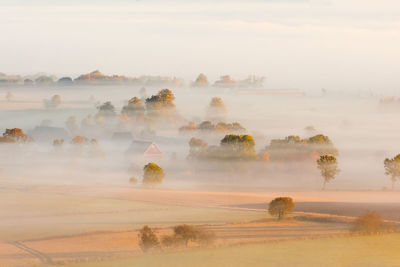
[[341, 44]]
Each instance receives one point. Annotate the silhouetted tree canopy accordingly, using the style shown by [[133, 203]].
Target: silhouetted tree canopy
[[281, 206]]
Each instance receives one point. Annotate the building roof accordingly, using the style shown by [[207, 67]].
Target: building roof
[[47, 133], [145, 148], [122, 136]]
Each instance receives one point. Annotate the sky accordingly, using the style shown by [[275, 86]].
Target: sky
[[335, 44]]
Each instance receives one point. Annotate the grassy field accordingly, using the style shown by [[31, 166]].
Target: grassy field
[[382, 250], [33, 215]]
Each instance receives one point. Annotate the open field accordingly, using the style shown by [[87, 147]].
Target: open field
[[381, 250], [66, 223], [106, 245]]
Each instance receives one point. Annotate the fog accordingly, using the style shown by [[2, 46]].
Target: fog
[[129, 127], [361, 128]]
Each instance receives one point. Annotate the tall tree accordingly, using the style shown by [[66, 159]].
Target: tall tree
[[328, 166], [392, 168], [147, 239]]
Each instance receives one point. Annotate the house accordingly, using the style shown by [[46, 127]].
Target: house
[[146, 149], [48, 134], [122, 137]]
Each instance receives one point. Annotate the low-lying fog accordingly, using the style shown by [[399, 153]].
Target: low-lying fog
[[361, 128]]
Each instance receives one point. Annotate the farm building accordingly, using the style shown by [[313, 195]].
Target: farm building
[[48, 134], [146, 149]]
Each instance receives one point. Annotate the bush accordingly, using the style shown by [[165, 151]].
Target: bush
[[368, 223]]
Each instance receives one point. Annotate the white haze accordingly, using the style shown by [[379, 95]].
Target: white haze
[[364, 131]]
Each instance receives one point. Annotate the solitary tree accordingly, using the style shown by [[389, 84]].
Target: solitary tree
[[147, 239], [153, 174], [280, 206], [186, 233], [392, 168], [328, 167], [201, 81]]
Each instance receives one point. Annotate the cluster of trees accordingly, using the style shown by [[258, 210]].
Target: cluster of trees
[[207, 127], [96, 77], [183, 235], [160, 105], [295, 148], [389, 100], [15, 135], [232, 147], [252, 81]]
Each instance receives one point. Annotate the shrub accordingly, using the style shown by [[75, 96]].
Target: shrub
[[368, 223]]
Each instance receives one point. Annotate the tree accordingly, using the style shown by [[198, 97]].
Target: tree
[[186, 233], [15, 135], [392, 168], [281, 206], [71, 124], [107, 109], [368, 223], [216, 110], [153, 174], [238, 146], [161, 104], [147, 239], [197, 147], [54, 102], [322, 144], [134, 107], [201, 81], [328, 167]]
